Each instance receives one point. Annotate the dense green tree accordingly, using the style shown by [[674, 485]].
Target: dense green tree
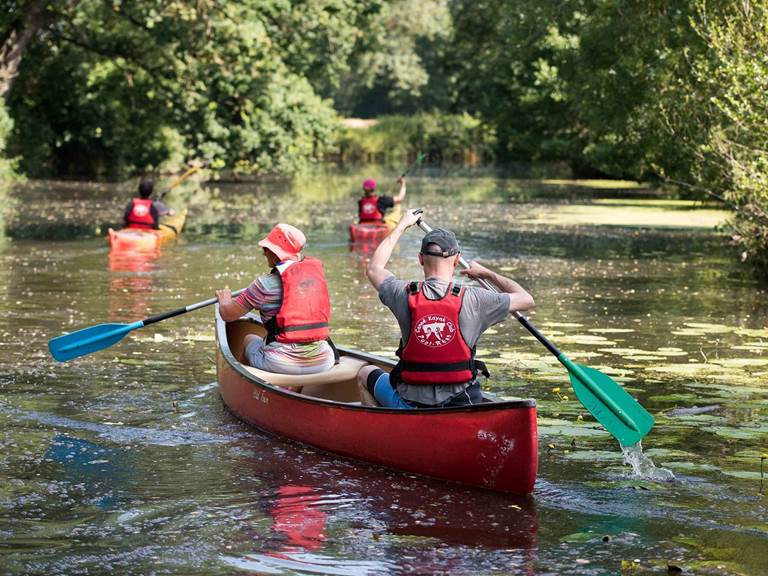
[[113, 86]]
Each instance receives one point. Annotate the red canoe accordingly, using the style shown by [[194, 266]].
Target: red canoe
[[491, 445]]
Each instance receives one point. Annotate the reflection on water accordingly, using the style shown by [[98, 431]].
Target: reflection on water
[[124, 461]]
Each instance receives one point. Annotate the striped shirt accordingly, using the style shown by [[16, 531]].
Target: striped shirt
[[265, 294]]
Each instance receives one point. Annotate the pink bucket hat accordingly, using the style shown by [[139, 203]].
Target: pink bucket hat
[[369, 184], [285, 241]]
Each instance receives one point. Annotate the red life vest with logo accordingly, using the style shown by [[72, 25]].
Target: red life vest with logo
[[436, 352], [306, 308], [140, 214], [368, 209]]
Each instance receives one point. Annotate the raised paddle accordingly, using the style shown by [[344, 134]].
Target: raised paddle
[[102, 336], [419, 159], [608, 402], [179, 180]]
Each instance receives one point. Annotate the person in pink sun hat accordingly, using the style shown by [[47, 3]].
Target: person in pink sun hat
[[294, 306], [371, 208]]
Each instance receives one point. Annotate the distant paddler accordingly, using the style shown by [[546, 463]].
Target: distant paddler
[[143, 211], [372, 208]]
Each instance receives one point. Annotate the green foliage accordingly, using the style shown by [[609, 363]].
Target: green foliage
[[732, 83], [396, 67], [120, 87], [444, 137]]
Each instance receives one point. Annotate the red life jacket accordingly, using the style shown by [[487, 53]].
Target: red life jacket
[[368, 209], [140, 214], [303, 316], [436, 352]]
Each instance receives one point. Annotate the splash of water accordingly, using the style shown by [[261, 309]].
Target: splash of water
[[643, 466]]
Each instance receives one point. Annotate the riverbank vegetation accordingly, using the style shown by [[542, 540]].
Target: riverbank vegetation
[[649, 91]]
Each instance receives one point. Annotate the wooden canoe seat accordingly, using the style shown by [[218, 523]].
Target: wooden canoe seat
[[343, 376]]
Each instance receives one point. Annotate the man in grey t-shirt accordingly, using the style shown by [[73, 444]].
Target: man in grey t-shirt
[[478, 309]]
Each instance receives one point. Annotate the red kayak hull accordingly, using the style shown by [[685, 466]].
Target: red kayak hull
[[492, 445], [368, 232]]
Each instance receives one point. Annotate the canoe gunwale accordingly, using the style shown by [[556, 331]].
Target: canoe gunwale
[[224, 349]]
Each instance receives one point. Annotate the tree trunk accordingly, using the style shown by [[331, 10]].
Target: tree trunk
[[16, 42]]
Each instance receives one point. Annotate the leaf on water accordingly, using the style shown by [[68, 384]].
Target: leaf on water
[[135, 362], [690, 369], [673, 398], [758, 347], [596, 455], [579, 537], [688, 332], [582, 355], [753, 333], [744, 474], [200, 338], [690, 466], [710, 328], [739, 433], [587, 339], [558, 427], [741, 362]]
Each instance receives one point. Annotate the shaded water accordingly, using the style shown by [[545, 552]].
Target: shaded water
[[125, 461]]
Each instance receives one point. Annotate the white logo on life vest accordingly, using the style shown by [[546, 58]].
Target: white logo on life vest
[[369, 208], [140, 210], [434, 330]]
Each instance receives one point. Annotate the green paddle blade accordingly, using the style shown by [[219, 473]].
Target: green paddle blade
[[609, 403], [89, 340]]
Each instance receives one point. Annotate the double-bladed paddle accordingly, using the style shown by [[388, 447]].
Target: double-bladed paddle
[[419, 159], [608, 402], [179, 180], [102, 336]]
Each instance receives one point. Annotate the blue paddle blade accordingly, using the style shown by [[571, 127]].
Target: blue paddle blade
[[609, 403], [89, 340]]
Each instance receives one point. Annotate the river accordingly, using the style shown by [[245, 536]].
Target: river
[[126, 462]]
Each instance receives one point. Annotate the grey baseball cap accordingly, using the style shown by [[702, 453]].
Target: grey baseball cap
[[446, 239]]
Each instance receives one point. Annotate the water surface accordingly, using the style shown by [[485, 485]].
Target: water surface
[[126, 462]]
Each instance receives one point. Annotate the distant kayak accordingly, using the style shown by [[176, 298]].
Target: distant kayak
[[367, 232], [142, 239]]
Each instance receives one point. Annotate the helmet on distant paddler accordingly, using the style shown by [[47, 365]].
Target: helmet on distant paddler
[[369, 184]]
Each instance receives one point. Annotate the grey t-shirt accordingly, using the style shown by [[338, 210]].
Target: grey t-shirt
[[480, 310]]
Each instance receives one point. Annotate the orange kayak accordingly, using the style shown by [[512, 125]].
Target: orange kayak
[[374, 232], [141, 239]]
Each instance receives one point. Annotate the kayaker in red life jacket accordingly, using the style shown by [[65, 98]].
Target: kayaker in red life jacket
[[294, 306], [440, 322], [371, 208], [143, 212]]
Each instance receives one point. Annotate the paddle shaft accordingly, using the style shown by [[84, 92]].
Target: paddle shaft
[[419, 160], [181, 179], [185, 309], [95, 338]]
